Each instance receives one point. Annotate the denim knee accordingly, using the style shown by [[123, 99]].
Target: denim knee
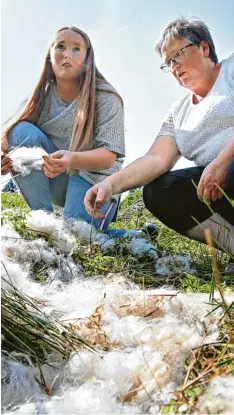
[[21, 131]]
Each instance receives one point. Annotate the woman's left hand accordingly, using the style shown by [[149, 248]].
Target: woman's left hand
[[57, 163], [212, 178]]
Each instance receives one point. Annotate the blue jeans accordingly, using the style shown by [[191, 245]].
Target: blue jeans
[[41, 192]]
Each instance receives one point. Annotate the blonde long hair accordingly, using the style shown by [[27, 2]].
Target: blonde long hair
[[89, 81]]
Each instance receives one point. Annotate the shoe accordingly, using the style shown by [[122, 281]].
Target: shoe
[[150, 230]]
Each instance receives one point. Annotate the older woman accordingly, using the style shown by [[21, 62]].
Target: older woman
[[200, 127]]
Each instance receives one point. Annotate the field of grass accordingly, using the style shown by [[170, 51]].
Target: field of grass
[[133, 215]]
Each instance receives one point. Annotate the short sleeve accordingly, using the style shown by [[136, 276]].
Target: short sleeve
[[229, 71], [109, 124], [167, 127]]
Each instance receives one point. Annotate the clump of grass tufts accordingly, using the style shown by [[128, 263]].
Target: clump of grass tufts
[[26, 329]]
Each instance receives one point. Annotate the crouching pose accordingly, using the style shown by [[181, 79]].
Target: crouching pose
[[77, 117], [200, 127]]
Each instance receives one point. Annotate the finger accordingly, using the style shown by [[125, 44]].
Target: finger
[[101, 198], [52, 168], [5, 159], [7, 162], [214, 194], [207, 195], [50, 173], [200, 191], [6, 166], [220, 188], [57, 155], [5, 170], [90, 203], [220, 194], [51, 161]]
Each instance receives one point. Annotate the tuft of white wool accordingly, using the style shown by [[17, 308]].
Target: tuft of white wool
[[80, 368], [28, 409], [64, 241], [29, 251], [67, 269], [140, 247], [26, 159], [78, 299], [121, 367], [12, 276], [130, 233], [105, 242], [93, 397], [87, 233], [219, 397], [120, 370], [173, 265], [83, 230], [9, 233], [45, 223], [18, 384]]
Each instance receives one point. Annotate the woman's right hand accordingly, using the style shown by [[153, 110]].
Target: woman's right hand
[[6, 164], [96, 197]]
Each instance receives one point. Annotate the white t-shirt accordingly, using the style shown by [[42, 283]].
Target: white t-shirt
[[202, 130]]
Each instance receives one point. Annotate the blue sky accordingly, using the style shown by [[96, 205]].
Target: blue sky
[[123, 33]]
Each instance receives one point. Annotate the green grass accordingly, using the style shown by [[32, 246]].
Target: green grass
[[15, 210], [132, 215]]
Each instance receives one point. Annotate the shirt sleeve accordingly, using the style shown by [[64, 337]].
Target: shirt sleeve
[[167, 127], [230, 71], [109, 124]]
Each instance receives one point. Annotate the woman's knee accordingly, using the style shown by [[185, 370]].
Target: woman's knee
[[154, 195], [24, 132], [159, 199]]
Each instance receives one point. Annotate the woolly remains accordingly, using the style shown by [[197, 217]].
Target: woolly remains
[[172, 266], [26, 159], [46, 224], [38, 252], [219, 397], [86, 234], [12, 275], [140, 247], [148, 334], [18, 384]]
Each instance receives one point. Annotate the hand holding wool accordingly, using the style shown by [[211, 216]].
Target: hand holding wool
[[57, 163], [26, 159]]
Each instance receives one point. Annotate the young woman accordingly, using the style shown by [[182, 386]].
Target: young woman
[[78, 118]]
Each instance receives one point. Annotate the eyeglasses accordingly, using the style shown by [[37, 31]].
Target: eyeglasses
[[177, 58]]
